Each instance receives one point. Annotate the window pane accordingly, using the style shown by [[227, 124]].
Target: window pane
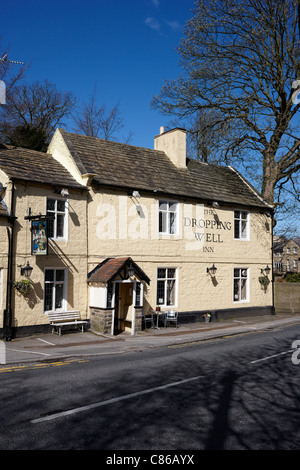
[[50, 204], [236, 290], [60, 275], [59, 290], [48, 299], [49, 275], [160, 292], [243, 289], [171, 273], [163, 205], [173, 206], [171, 292], [172, 223], [162, 222], [236, 229], [236, 273], [50, 226], [244, 215], [244, 229], [60, 225], [61, 206], [161, 273]]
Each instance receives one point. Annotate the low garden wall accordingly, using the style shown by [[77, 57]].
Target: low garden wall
[[287, 297]]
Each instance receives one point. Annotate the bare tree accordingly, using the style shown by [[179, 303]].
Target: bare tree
[[37, 107], [94, 120], [240, 59]]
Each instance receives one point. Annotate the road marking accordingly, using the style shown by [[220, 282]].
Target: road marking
[[114, 400], [271, 357], [28, 352], [44, 341]]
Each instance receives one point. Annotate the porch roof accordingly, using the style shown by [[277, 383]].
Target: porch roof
[[111, 268]]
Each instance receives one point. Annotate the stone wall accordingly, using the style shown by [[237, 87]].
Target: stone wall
[[101, 320], [287, 297]]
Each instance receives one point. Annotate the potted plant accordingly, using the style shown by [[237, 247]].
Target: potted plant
[[23, 286], [264, 281], [207, 317]]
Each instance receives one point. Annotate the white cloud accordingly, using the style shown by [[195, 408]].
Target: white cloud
[[152, 23], [174, 25]]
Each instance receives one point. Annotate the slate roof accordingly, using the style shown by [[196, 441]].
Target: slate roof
[[125, 166], [33, 166], [110, 268]]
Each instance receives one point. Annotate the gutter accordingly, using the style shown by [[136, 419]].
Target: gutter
[[8, 313]]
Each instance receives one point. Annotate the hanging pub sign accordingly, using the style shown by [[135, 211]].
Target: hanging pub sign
[[39, 237]]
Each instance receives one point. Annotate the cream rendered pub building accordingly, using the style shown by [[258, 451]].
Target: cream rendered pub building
[[131, 230]]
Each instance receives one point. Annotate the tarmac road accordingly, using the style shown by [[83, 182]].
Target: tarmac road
[[48, 347]]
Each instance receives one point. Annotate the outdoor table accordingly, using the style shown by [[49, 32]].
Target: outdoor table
[[158, 314]]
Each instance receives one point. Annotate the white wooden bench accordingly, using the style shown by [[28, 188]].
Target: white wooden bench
[[60, 319]]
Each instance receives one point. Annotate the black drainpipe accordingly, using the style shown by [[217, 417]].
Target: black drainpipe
[[8, 313]]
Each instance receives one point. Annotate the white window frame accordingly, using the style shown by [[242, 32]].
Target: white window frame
[[65, 289], [168, 213], [55, 213], [240, 220], [239, 278], [165, 279]]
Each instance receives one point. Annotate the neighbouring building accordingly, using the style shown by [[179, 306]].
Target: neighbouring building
[[113, 231], [286, 256]]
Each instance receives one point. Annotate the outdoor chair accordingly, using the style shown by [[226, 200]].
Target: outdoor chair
[[171, 317], [147, 319]]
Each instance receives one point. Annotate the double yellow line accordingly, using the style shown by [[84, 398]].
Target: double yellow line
[[39, 366]]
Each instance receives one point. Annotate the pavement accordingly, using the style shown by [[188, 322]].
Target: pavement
[[75, 345]]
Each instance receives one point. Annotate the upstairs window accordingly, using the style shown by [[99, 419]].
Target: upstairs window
[[57, 226], [241, 225], [168, 218]]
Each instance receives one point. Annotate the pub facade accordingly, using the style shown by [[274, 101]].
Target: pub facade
[[114, 231]]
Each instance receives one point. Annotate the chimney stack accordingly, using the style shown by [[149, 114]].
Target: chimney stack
[[173, 143]]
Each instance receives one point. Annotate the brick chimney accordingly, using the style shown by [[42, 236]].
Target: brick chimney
[[173, 143]]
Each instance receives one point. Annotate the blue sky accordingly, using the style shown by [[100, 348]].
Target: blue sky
[[124, 47]]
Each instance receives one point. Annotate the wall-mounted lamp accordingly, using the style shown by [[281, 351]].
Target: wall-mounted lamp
[[212, 270], [134, 193], [63, 192], [130, 270], [27, 270], [267, 270]]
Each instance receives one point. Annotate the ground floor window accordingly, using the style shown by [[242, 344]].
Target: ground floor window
[[166, 286], [55, 289], [240, 284]]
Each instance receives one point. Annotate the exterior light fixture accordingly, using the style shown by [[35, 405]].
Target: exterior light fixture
[[266, 270], [212, 270], [27, 270], [134, 193], [130, 270], [64, 192]]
